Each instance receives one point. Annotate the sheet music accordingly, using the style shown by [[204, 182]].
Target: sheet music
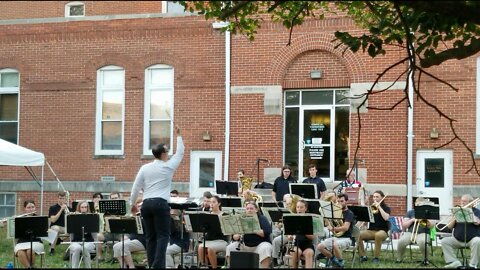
[[463, 215], [326, 210], [239, 223], [178, 200], [188, 224]]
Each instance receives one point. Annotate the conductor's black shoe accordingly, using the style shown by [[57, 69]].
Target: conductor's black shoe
[[363, 258], [52, 251]]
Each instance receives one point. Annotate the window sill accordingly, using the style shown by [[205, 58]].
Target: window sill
[[108, 157]]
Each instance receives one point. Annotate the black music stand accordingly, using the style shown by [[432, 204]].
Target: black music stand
[[226, 187], [123, 226], [313, 206], [464, 215], [30, 228], [298, 224], [426, 212], [113, 207], [205, 222], [362, 213], [304, 190], [276, 215], [182, 207], [83, 224], [91, 205], [269, 205]]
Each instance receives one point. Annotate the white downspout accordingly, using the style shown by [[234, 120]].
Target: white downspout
[[218, 25], [41, 192], [410, 137]]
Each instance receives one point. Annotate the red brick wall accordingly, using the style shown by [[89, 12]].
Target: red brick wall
[[58, 63], [51, 9]]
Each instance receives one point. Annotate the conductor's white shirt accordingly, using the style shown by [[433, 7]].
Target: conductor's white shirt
[[156, 177]]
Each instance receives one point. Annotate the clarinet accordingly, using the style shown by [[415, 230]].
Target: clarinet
[[240, 241]]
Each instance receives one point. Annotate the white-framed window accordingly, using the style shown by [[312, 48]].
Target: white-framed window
[[9, 104], [172, 7], [7, 204], [109, 126], [75, 9], [158, 114]]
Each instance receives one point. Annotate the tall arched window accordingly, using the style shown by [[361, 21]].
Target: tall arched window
[[110, 111], [158, 115], [9, 104]]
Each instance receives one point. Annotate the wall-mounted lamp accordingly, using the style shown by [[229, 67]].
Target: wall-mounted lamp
[[315, 74], [434, 133], [206, 136]]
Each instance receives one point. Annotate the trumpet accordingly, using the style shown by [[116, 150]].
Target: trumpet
[[374, 207], [450, 219]]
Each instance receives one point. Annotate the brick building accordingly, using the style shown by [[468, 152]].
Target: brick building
[[94, 84]]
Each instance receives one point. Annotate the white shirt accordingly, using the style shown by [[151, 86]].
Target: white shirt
[[156, 177]]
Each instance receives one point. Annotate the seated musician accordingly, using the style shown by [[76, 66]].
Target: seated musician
[[280, 240], [131, 243], [258, 242], [76, 248], [56, 214], [450, 244], [214, 243], [303, 244], [351, 184], [22, 248], [407, 238], [378, 230], [332, 247], [177, 243]]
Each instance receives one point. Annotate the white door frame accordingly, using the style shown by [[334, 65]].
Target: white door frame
[[302, 144], [195, 157], [445, 193]]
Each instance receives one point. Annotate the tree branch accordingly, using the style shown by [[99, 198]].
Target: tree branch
[[453, 53]]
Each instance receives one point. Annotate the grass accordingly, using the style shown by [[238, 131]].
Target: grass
[[386, 260], [52, 261]]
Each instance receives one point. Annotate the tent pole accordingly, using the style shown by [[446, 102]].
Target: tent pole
[[41, 192]]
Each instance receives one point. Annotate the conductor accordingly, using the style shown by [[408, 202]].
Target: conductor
[[155, 179]]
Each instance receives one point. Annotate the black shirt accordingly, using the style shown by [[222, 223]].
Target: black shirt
[[472, 229], [52, 211], [281, 186], [380, 223], [348, 216], [253, 240]]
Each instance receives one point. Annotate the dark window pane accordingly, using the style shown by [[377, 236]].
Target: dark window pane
[[434, 172], [292, 98], [77, 10], [9, 107], [320, 156], [8, 131], [159, 132], [112, 135], [317, 97], [342, 131], [341, 97], [207, 172], [316, 126], [291, 139]]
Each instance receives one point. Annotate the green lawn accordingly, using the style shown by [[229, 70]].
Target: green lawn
[[56, 260], [52, 261]]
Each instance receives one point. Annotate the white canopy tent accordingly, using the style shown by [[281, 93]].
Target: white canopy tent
[[16, 155]]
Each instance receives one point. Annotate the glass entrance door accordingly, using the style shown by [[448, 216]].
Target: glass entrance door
[[316, 141]]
